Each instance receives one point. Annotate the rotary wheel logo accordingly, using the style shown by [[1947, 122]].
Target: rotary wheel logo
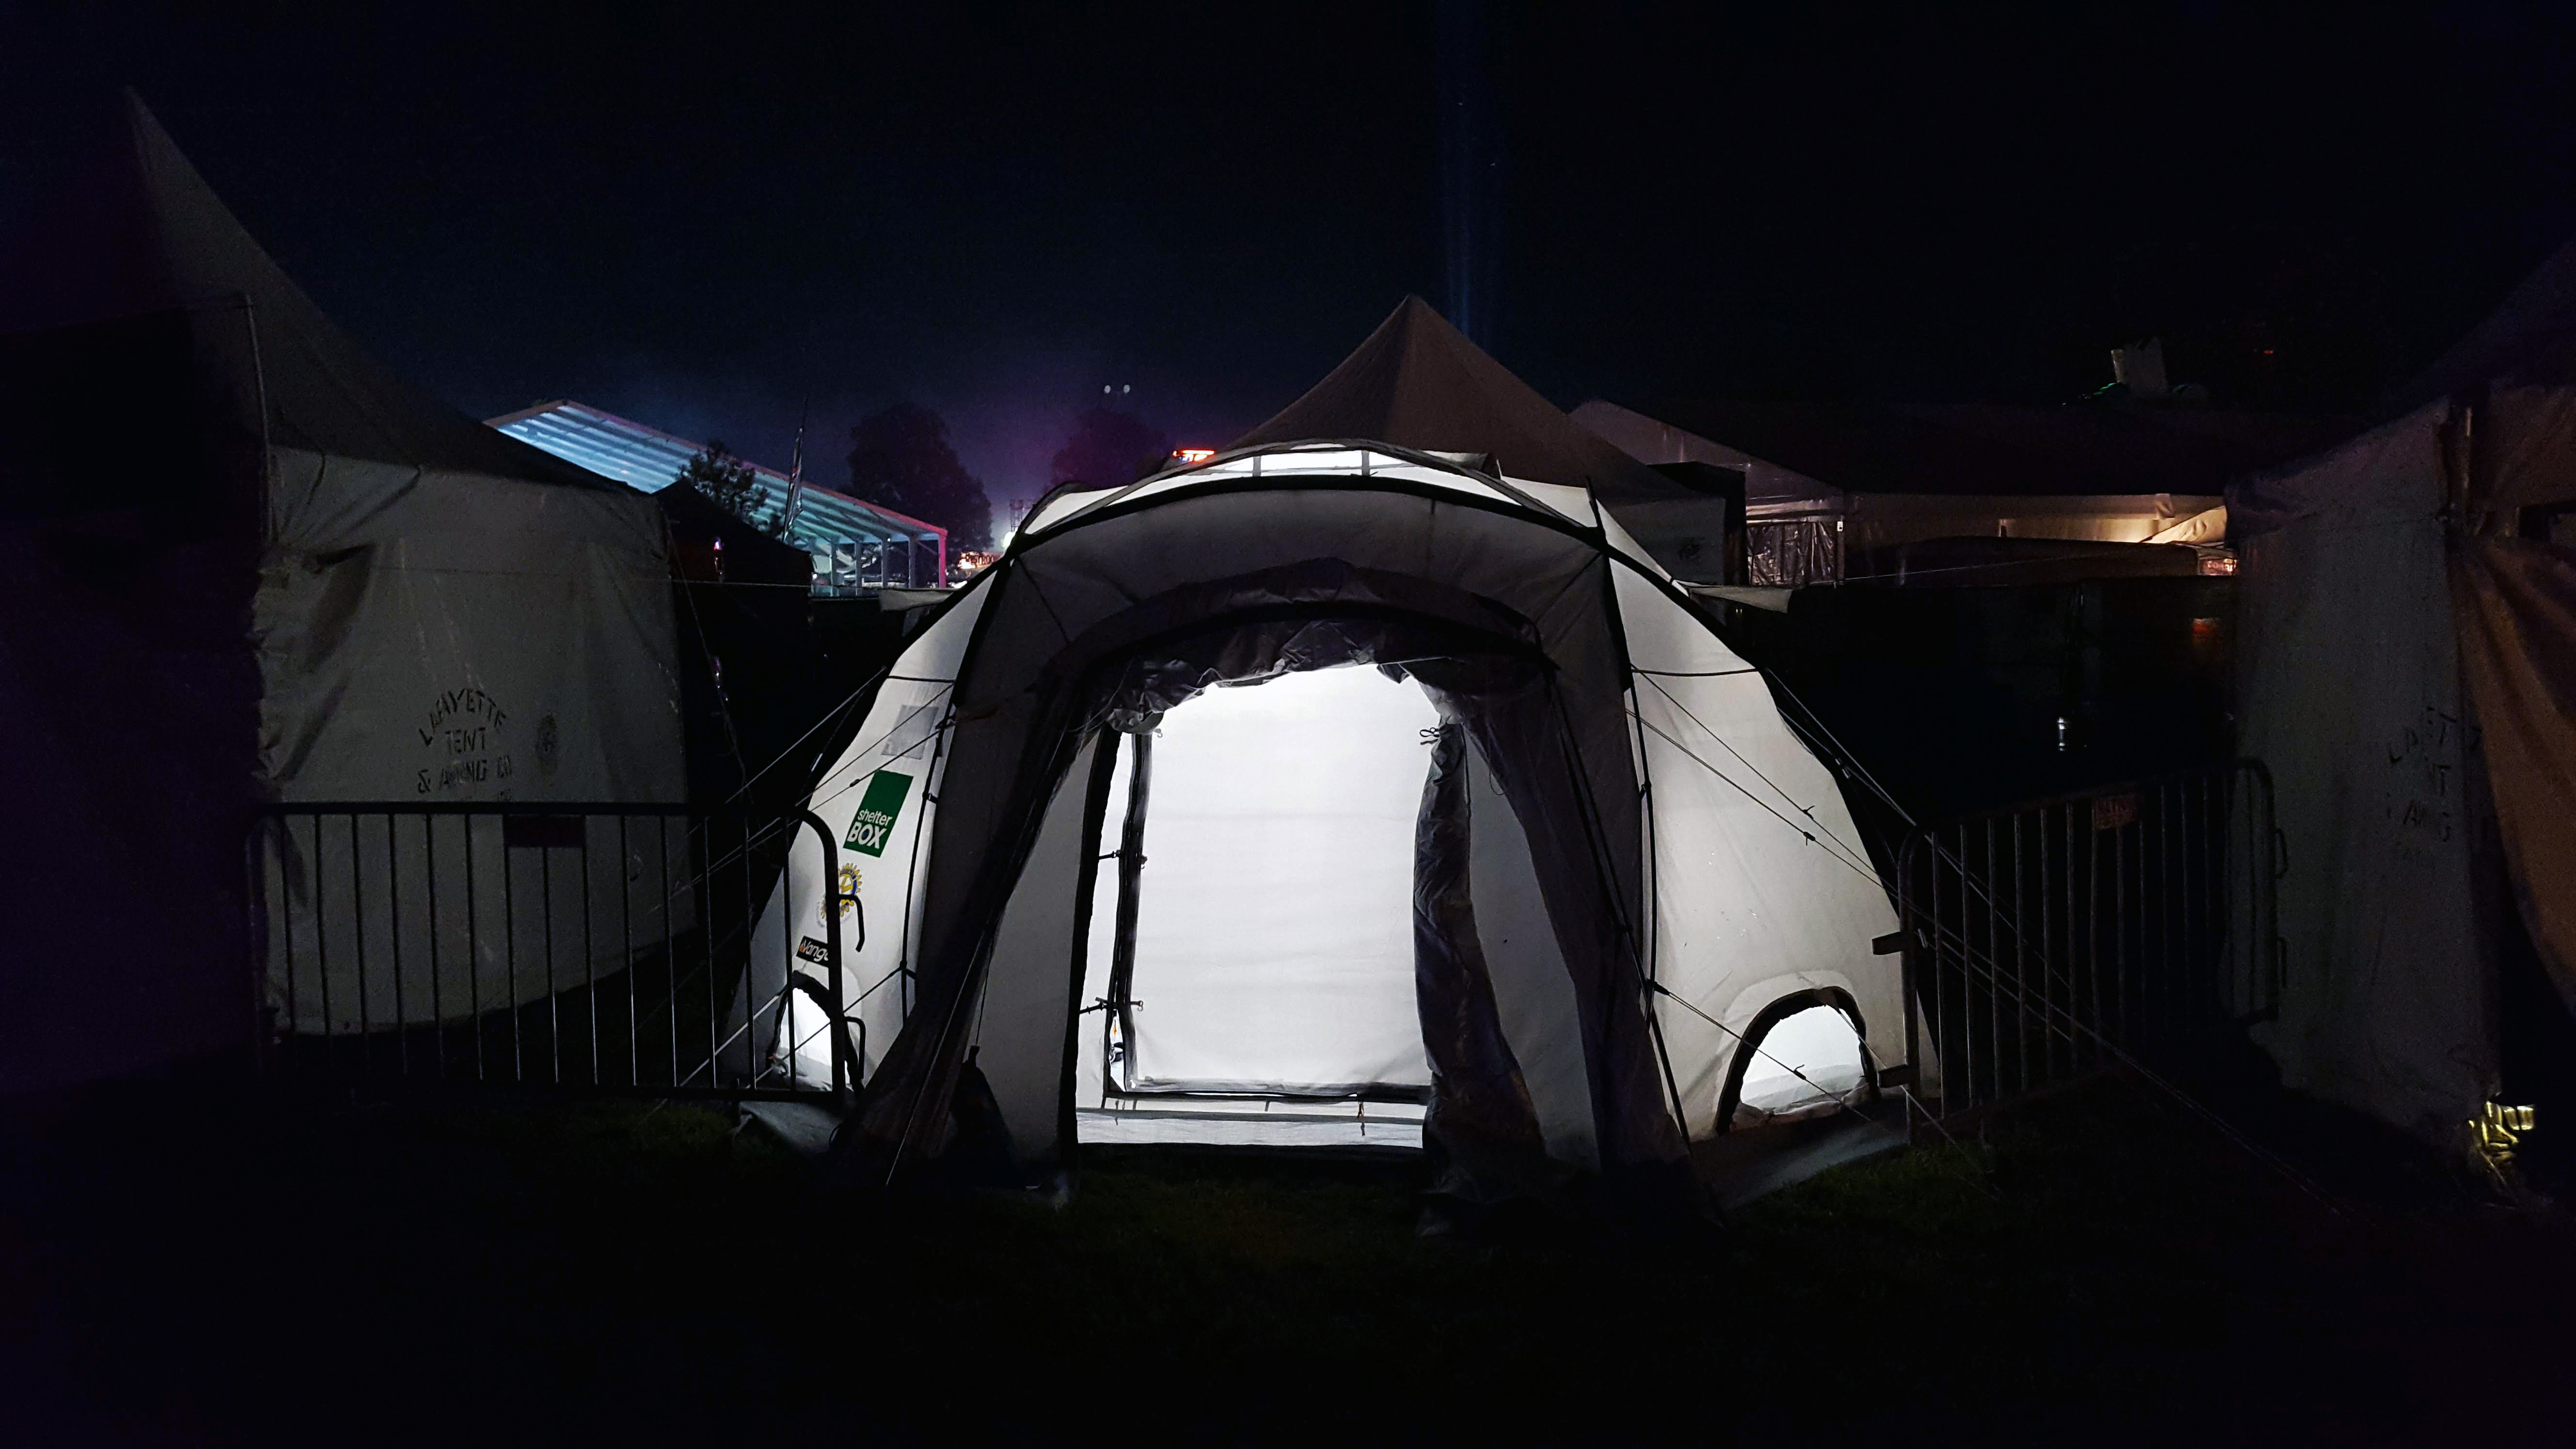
[[849, 891]]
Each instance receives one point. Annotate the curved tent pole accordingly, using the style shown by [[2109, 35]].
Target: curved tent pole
[[1315, 445]]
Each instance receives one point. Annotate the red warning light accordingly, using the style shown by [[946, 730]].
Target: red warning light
[[1192, 457]]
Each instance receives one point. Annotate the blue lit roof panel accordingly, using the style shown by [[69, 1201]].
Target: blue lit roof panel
[[649, 459]]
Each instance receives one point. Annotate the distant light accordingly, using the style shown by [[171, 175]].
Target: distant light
[[1192, 457]]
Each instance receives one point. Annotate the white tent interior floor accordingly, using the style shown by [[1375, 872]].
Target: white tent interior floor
[[1256, 1123]]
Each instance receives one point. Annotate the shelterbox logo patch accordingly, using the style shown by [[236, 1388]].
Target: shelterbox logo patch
[[877, 811]]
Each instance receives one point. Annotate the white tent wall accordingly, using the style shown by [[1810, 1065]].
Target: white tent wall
[[1761, 887], [2350, 690], [436, 637], [901, 735]]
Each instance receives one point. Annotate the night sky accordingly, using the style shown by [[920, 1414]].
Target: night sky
[[698, 215]]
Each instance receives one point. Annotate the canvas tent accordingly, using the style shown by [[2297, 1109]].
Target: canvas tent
[[243, 561], [2407, 667], [1332, 769]]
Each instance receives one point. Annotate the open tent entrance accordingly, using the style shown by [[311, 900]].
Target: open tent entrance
[[1252, 969]]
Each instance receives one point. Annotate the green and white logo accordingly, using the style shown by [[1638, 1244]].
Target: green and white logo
[[877, 811]]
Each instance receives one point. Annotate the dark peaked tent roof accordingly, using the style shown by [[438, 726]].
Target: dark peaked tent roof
[[2532, 332], [1417, 382], [122, 225]]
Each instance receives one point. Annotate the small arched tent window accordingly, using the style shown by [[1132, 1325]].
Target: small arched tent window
[[1803, 1056]]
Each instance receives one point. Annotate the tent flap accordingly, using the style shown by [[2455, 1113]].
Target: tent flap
[[1482, 1129]]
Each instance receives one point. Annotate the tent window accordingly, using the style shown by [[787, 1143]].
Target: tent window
[[1820, 1043]]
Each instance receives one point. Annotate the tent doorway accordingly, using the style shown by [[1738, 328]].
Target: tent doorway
[[1266, 993]]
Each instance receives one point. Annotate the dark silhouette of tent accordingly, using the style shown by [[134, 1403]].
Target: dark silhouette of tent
[[239, 560]]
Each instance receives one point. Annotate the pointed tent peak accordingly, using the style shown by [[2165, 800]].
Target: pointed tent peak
[[2532, 331], [129, 227], [1419, 383]]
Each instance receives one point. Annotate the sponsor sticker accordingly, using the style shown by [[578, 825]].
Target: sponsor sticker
[[813, 952], [847, 893], [878, 808]]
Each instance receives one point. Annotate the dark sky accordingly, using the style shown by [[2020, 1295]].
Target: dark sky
[[695, 215]]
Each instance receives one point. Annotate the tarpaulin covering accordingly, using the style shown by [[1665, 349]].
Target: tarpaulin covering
[[2349, 690], [2518, 649], [2514, 594], [2407, 653]]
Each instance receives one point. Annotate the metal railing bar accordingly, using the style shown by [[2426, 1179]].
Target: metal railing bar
[[437, 990], [393, 906], [474, 953], [703, 893], [510, 942], [589, 956], [670, 947], [546, 923], [626, 949], [284, 834], [358, 893]]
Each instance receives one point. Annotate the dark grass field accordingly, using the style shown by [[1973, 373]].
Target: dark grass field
[[2102, 1268]]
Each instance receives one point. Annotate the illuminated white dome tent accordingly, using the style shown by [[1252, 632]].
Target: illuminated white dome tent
[[1450, 877]]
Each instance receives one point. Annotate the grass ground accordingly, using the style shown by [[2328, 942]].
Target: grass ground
[[2101, 1269]]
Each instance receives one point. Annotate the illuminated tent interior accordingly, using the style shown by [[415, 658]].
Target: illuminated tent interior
[[1330, 792]]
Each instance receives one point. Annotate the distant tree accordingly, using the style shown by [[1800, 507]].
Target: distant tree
[[1109, 447], [728, 482], [900, 458]]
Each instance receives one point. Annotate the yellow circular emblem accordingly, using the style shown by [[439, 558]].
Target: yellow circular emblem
[[849, 891]]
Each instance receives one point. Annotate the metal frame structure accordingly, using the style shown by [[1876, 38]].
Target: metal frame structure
[[347, 876], [2128, 924]]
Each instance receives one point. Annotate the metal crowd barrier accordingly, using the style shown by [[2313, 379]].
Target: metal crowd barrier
[[583, 947], [2047, 940]]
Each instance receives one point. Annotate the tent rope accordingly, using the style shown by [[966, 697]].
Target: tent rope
[[1865, 873], [1807, 810]]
